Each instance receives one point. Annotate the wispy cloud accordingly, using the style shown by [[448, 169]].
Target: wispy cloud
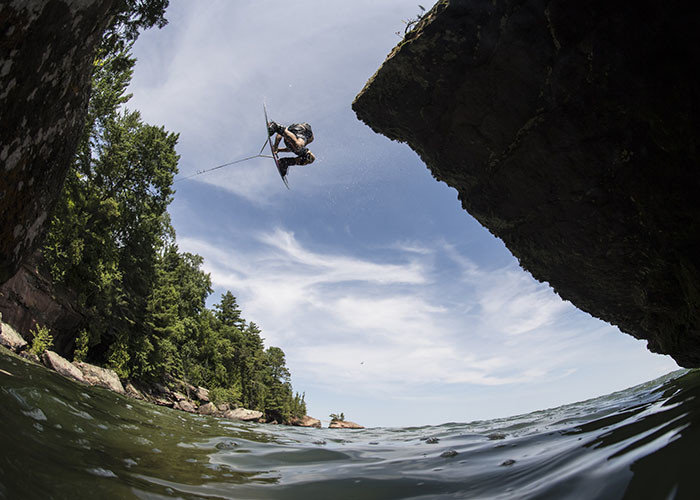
[[367, 299], [210, 69], [387, 326]]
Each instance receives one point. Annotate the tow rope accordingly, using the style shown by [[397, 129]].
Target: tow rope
[[200, 172]]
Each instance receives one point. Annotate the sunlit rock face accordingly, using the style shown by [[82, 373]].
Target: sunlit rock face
[[46, 55], [570, 131], [29, 299]]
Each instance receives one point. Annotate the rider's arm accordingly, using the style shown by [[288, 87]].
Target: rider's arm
[[289, 137]]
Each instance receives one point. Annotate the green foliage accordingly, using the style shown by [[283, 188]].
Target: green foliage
[[112, 244], [412, 23], [119, 357], [112, 218], [82, 344], [228, 313], [298, 405], [230, 395], [132, 16], [41, 340], [337, 417]]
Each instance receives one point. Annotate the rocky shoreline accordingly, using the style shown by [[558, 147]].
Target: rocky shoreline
[[175, 394]]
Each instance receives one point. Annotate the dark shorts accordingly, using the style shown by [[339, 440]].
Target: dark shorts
[[288, 161]]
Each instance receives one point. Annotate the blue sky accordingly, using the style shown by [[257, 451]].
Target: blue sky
[[392, 304]]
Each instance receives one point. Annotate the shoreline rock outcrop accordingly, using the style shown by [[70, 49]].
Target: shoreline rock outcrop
[[97, 375], [244, 415], [157, 394], [344, 424], [306, 421], [30, 298], [62, 366], [10, 338], [572, 132]]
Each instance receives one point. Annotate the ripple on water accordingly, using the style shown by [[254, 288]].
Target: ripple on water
[[36, 414], [99, 471], [226, 444], [82, 414], [640, 443]]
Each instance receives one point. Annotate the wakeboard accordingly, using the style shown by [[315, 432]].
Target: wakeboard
[[272, 149]]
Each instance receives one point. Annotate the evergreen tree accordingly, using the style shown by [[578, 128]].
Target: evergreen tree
[[109, 223], [133, 16], [250, 369], [112, 244], [278, 396], [228, 312]]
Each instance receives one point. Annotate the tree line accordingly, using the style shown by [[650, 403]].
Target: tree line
[[111, 243]]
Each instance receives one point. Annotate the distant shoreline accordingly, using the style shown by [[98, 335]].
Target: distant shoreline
[[180, 396]]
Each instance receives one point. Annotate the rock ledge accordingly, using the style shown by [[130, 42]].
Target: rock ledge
[[574, 136]]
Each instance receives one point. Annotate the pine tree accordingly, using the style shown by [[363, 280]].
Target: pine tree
[[228, 312], [112, 217], [111, 242]]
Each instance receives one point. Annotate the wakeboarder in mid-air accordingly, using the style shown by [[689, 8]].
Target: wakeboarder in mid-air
[[296, 137]]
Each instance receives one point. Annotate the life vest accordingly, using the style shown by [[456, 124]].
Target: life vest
[[302, 131]]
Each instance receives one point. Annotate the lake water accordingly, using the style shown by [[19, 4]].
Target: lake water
[[64, 440]]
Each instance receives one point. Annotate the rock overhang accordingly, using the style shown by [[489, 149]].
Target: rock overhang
[[570, 132]]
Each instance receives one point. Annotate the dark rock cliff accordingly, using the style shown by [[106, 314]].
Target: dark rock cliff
[[29, 299], [46, 54], [571, 132]]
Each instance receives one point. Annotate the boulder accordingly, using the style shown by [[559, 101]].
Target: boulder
[[163, 402], [202, 394], [244, 415], [103, 377], [306, 421], [179, 396], [185, 405], [62, 366], [11, 339], [344, 424], [30, 356], [30, 298], [133, 392], [207, 409]]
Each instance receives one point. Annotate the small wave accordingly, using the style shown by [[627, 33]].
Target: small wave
[[638, 443], [101, 472], [36, 414]]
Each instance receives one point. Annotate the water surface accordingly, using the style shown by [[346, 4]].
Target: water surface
[[60, 440]]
